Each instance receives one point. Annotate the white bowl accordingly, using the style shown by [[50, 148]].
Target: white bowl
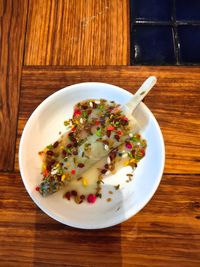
[[43, 127]]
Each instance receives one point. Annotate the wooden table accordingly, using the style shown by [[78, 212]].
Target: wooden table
[[46, 45]]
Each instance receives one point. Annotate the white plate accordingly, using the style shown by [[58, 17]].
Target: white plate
[[43, 127]]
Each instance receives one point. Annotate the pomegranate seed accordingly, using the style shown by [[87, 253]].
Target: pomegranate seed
[[128, 145], [108, 133], [81, 165], [110, 128], [77, 112], [73, 171], [68, 195], [74, 193], [91, 198], [117, 137]]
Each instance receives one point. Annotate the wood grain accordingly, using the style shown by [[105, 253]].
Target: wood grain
[[77, 32], [174, 102], [1, 8], [165, 233], [80, 33], [12, 32]]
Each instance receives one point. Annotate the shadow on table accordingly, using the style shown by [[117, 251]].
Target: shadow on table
[[60, 245]]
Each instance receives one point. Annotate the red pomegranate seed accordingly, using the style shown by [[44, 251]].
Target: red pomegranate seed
[[108, 133], [128, 145], [81, 165], [117, 137], [77, 112], [91, 198], [73, 171], [68, 195], [74, 193], [110, 128]]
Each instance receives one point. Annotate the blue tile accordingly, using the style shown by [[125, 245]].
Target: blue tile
[[188, 10], [152, 9], [189, 38], [153, 45]]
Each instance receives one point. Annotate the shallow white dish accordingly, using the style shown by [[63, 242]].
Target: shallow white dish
[[43, 127]]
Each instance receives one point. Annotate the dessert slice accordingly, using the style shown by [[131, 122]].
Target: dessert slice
[[97, 129]]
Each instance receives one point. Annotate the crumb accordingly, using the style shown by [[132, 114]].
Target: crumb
[[117, 187]]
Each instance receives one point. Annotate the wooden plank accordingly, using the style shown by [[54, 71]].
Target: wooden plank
[[12, 33], [165, 232], [75, 32], [1, 8], [174, 102]]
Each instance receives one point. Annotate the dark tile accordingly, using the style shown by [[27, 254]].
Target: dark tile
[[153, 45], [159, 10], [189, 38], [188, 10]]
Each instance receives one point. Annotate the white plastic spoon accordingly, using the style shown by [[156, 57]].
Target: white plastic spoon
[[140, 94]]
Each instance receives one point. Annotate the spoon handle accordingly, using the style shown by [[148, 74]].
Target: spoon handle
[[141, 93]]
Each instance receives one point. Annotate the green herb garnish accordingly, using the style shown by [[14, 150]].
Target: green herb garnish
[[60, 171], [130, 155], [135, 138], [84, 114], [66, 123], [101, 107], [98, 133], [69, 150]]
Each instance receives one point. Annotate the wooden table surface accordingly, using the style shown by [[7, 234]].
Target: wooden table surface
[[48, 44]]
